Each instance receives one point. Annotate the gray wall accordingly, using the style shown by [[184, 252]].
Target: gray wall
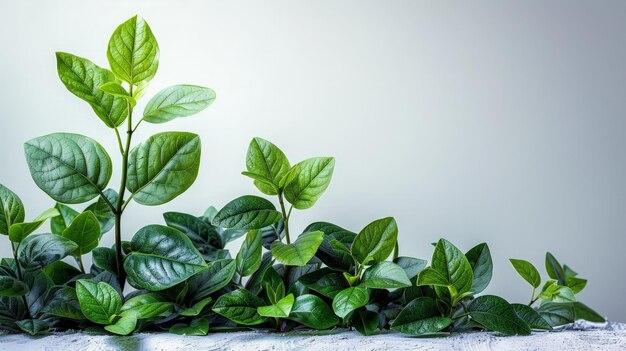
[[478, 121]]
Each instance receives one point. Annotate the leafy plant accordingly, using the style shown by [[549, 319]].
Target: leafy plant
[[185, 277]]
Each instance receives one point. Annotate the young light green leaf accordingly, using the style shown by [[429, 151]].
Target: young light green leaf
[[420, 316], [576, 284], [197, 327], [385, 275], [479, 258], [431, 276], [161, 257], [313, 312], [494, 313], [146, 306], [349, 300], [83, 78], [100, 302], [376, 241], [117, 90], [527, 271], [177, 101], [280, 309], [133, 51], [163, 167], [84, 231], [453, 265], [247, 212], [305, 183], [300, 252], [19, 231], [267, 164], [11, 209], [249, 256], [124, 325], [240, 306], [70, 168], [37, 251]]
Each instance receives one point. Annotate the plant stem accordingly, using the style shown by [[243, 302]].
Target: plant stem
[[532, 298], [285, 216], [79, 260]]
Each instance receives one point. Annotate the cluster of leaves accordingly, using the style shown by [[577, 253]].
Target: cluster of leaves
[[185, 279]]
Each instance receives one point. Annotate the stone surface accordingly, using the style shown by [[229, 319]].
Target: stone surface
[[580, 336]]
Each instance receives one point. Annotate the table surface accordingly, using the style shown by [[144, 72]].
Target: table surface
[[580, 336]]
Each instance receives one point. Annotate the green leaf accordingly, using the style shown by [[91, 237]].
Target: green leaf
[[163, 167], [124, 325], [527, 271], [325, 281], [307, 181], [10, 286], [494, 313], [554, 269], [84, 231], [576, 284], [117, 90], [161, 257], [560, 313], [349, 300], [177, 101], [104, 258], [19, 231], [334, 250], [552, 291], [412, 266], [247, 212], [300, 252], [196, 308], [365, 322], [33, 326], [199, 231], [11, 209], [70, 168], [133, 51], [103, 211], [59, 223], [249, 256], [146, 306], [65, 304], [420, 316], [83, 79], [531, 317], [385, 275], [40, 250], [100, 302], [452, 264], [197, 327], [240, 306], [61, 272], [313, 312], [280, 309], [273, 284], [217, 275], [479, 258], [267, 164], [376, 241]]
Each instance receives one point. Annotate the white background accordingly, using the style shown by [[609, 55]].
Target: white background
[[491, 121]]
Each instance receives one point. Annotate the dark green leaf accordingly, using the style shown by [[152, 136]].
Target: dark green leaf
[[197, 327], [365, 322], [421, 316], [103, 211], [33, 326], [531, 317], [10, 286], [325, 281], [217, 275], [249, 256], [197, 308], [247, 212], [479, 258], [199, 231], [452, 264], [554, 269], [527, 271], [376, 241], [40, 250], [104, 258], [98, 301], [61, 272], [494, 313], [65, 304], [313, 312], [240, 306], [412, 266]]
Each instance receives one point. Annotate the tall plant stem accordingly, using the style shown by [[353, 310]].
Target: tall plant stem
[[285, 217], [119, 207]]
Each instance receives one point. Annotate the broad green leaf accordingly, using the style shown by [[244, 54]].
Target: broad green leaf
[[11, 209], [197, 327], [495, 314], [100, 302], [217, 275], [103, 211], [65, 304], [104, 258], [325, 281], [280, 309], [177, 101], [133, 51], [530, 316], [247, 212], [117, 90], [59, 223], [124, 325], [569, 272], [146, 306], [420, 316], [161, 257], [84, 231], [61, 272], [249, 256], [376, 241], [273, 232], [10, 286], [38, 287], [240, 306], [527, 271], [300, 252], [199, 231], [576, 284], [335, 249], [163, 167], [385, 275], [554, 269], [140, 90], [313, 312], [33, 326], [83, 79], [412, 266], [349, 300], [70, 168], [267, 164], [273, 284], [560, 313], [365, 322], [307, 181], [479, 258], [196, 308], [40, 250], [450, 262], [19, 231]]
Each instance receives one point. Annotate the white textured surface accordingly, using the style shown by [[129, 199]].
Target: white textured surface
[[581, 336]]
